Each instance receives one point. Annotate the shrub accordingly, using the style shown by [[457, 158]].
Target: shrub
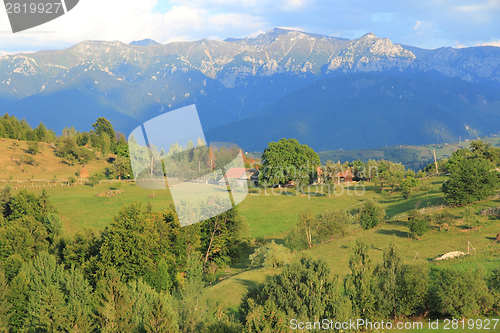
[[418, 224], [371, 214], [495, 288], [33, 148], [472, 219], [295, 240], [31, 161], [271, 255], [461, 293], [412, 290], [72, 180], [331, 224]]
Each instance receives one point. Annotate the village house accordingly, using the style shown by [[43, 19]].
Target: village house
[[242, 175]]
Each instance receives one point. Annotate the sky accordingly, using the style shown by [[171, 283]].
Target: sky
[[422, 23]]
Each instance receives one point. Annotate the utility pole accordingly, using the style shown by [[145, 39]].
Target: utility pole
[[435, 162]]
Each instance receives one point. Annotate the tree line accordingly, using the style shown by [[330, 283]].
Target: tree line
[[389, 290], [143, 273]]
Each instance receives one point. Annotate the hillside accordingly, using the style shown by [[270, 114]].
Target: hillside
[[50, 165], [367, 111], [267, 214], [414, 157]]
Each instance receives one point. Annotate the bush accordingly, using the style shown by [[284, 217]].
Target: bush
[[270, 255], [295, 240], [371, 214], [331, 224], [443, 219], [33, 148], [302, 290], [472, 219], [412, 290], [31, 161], [71, 180], [418, 224], [495, 288], [461, 293]]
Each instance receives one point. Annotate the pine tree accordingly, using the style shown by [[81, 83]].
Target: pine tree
[[358, 284], [79, 301], [18, 300], [387, 279], [47, 309], [4, 304], [161, 316], [113, 304], [192, 305]]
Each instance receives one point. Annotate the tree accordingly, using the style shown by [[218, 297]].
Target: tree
[[18, 300], [461, 292], [151, 311], [282, 159], [45, 298], [471, 180], [71, 153], [307, 225], [192, 304], [412, 290], [358, 284], [4, 304], [408, 186], [220, 236], [371, 214], [102, 125], [161, 317], [125, 244], [418, 224], [121, 149], [387, 275], [302, 290], [41, 132], [113, 304]]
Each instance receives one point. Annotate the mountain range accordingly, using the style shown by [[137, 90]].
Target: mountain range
[[328, 92]]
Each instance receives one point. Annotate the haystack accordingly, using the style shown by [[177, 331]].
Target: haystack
[[84, 173]]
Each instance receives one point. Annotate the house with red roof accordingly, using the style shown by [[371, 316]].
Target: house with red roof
[[241, 175]]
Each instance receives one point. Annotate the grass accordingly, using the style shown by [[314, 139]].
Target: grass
[[50, 164], [270, 214], [337, 253], [79, 207]]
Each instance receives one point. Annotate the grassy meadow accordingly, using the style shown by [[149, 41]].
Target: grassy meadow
[[269, 214]]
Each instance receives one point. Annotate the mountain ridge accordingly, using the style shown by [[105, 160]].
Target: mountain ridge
[[228, 80]]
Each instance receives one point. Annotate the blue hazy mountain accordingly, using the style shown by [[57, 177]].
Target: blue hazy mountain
[[328, 92], [145, 42]]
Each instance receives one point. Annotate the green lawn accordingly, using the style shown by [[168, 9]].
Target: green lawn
[[337, 252], [79, 207], [273, 214]]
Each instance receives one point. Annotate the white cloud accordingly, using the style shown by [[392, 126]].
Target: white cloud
[[426, 23], [128, 20], [490, 43], [490, 5], [293, 4]]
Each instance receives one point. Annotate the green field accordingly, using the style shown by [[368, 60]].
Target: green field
[[271, 214]]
